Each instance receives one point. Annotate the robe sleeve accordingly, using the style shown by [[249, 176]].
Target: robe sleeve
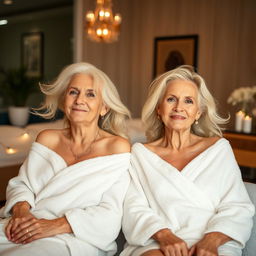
[[235, 211], [140, 221], [99, 225], [32, 175]]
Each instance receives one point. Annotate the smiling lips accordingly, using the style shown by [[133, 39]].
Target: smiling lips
[[79, 109], [177, 117]]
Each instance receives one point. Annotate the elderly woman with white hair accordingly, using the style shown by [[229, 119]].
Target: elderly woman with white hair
[[186, 196], [68, 196]]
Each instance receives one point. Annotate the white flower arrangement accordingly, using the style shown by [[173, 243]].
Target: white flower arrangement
[[244, 96]]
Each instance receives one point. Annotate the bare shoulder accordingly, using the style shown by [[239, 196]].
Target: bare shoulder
[[203, 143], [211, 140], [152, 145], [49, 138], [118, 145]]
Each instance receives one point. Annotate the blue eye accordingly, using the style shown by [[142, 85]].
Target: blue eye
[[72, 92], [189, 101], [171, 99], [90, 94]]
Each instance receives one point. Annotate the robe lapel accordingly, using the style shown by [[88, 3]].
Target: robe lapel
[[99, 172], [180, 186]]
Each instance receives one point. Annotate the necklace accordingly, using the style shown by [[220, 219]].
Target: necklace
[[85, 152]]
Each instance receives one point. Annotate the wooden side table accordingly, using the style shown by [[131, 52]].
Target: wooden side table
[[244, 147]]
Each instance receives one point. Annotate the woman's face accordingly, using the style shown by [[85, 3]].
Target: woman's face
[[83, 101], [179, 107]]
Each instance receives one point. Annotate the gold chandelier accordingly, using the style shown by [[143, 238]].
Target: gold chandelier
[[102, 25]]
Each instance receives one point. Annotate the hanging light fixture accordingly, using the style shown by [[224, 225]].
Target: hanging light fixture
[[102, 25]]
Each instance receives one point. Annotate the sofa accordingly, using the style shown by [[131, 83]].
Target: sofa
[[250, 248]]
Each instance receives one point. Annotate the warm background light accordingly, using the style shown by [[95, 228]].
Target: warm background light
[[118, 18], [102, 25], [25, 136], [10, 150], [107, 14], [90, 16]]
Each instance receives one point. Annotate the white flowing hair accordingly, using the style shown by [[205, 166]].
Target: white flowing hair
[[113, 121], [209, 121]]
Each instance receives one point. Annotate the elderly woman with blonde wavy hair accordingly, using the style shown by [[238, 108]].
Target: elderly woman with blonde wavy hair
[[186, 196], [68, 196]]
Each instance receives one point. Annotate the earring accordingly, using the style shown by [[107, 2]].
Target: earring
[[196, 122]]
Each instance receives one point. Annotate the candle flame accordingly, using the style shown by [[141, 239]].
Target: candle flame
[[247, 118], [241, 113]]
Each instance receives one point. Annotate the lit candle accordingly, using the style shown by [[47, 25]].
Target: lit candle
[[247, 124], [239, 121]]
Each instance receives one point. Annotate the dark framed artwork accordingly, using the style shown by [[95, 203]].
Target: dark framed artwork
[[171, 52], [32, 53]]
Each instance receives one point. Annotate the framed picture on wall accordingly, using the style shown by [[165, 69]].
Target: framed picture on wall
[[32, 53], [171, 52]]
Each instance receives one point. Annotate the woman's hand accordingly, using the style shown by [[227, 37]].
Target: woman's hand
[[208, 246], [170, 244], [24, 227], [34, 229], [20, 215]]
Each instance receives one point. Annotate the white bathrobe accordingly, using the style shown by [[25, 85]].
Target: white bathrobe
[[89, 193], [207, 195]]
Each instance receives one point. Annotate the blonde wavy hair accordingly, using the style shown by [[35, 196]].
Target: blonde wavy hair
[[113, 121], [209, 122]]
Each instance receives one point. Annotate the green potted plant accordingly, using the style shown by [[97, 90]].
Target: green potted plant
[[15, 88]]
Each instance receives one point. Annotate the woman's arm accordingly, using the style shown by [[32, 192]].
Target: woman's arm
[[34, 173], [100, 224], [209, 244], [234, 211], [22, 190], [170, 244], [20, 214], [140, 222], [23, 227], [33, 228]]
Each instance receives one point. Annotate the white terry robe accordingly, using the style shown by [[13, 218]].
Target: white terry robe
[[89, 193], [207, 195]]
